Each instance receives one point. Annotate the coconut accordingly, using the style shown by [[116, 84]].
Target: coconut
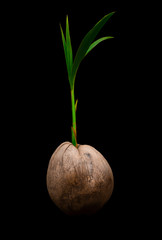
[[79, 179]]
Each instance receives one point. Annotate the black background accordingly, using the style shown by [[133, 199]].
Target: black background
[[110, 116]]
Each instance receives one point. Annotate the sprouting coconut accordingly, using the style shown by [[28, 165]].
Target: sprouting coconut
[[79, 178]]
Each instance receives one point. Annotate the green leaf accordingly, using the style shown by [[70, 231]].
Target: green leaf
[[65, 47], [69, 50], [64, 43], [94, 44], [86, 42]]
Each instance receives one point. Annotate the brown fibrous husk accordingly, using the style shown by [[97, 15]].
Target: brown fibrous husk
[[79, 180]]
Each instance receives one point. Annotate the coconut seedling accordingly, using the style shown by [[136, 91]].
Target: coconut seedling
[[79, 178]]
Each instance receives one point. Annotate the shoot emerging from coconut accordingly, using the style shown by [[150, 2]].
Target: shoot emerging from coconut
[[79, 178], [72, 65]]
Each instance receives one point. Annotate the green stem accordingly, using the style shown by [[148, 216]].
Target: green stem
[[74, 131]]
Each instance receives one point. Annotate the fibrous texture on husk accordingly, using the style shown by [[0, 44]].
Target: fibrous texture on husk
[[79, 180]]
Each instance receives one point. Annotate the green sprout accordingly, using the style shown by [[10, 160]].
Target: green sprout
[[85, 47]]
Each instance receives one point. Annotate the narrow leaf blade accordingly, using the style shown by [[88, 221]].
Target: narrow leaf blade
[[65, 47], [86, 42], [64, 42], [69, 50], [94, 44]]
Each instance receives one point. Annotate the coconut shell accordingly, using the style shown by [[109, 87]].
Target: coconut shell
[[79, 180]]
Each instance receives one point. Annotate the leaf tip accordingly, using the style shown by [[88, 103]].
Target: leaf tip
[[113, 12]]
